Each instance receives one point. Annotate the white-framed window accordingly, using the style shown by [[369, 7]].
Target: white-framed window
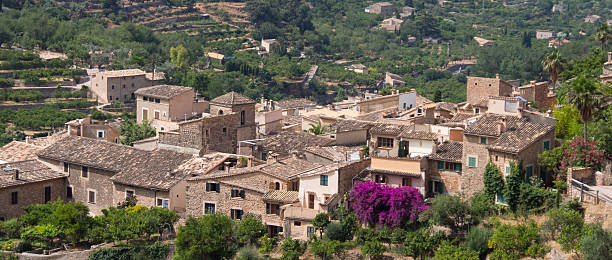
[[236, 213], [100, 133], [163, 203], [91, 196], [129, 193], [472, 161], [209, 207]]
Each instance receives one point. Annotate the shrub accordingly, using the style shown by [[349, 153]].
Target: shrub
[[320, 222], [9, 228], [325, 248], [335, 231], [478, 240], [420, 243], [512, 242], [558, 219], [449, 211], [267, 244], [582, 153], [373, 249], [537, 250], [365, 235], [481, 206], [248, 253], [207, 237], [250, 230], [292, 249], [447, 251], [596, 243]]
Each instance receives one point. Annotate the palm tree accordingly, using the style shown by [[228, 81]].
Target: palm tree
[[554, 64], [317, 129], [586, 97], [603, 34]]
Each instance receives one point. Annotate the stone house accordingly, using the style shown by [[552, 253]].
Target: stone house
[[413, 143], [537, 92], [320, 190], [444, 175], [268, 122], [333, 154], [102, 174], [260, 190], [286, 143], [350, 132], [358, 68], [391, 24], [233, 102], [396, 172], [606, 75], [384, 141], [26, 183], [294, 107], [203, 135], [394, 80], [501, 139], [483, 42], [544, 34], [16, 151], [478, 88], [166, 105], [119, 85], [407, 11], [266, 46], [102, 130], [382, 8]]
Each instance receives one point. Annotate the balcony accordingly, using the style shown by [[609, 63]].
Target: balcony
[[299, 213]]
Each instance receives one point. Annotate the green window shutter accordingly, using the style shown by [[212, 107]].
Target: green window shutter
[[483, 140], [440, 165], [546, 145], [440, 188], [267, 208], [207, 186], [472, 161], [399, 149], [508, 169], [458, 167]]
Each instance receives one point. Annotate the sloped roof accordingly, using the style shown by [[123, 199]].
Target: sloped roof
[[448, 151], [287, 141], [334, 153], [288, 168], [460, 117], [29, 171], [349, 125], [295, 103], [420, 135], [121, 73], [519, 137], [147, 169], [389, 129], [285, 197], [486, 125], [18, 151], [232, 98], [163, 91]]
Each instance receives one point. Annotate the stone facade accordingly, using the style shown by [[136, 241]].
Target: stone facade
[[104, 131], [536, 92], [450, 179], [471, 178], [218, 133], [118, 86], [28, 194], [478, 88]]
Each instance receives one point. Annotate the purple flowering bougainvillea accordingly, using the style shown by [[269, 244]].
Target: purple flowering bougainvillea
[[380, 204]]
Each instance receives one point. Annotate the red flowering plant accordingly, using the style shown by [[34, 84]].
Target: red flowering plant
[[580, 153], [381, 204]]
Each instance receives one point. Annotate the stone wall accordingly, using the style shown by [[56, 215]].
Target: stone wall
[[347, 173], [450, 179], [478, 88], [28, 194], [471, 177]]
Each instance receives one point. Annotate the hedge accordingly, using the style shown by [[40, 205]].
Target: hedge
[[157, 251]]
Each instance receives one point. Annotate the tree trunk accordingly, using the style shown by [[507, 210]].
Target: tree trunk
[[585, 131]]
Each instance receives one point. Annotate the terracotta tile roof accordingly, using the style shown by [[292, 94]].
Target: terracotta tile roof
[[232, 98], [288, 168], [486, 125], [295, 103], [519, 137], [285, 197], [334, 153], [287, 141], [389, 129], [202, 165], [48, 140], [349, 125], [420, 135], [460, 117], [121, 73], [163, 91], [376, 115], [216, 173], [29, 171], [148, 169], [367, 171], [292, 120], [328, 168], [451, 151], [446, 106], [18, 151]]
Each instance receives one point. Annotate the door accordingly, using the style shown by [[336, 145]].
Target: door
[[311, 199], [405, 152], [528, 173], [47, 194], [145, 114]]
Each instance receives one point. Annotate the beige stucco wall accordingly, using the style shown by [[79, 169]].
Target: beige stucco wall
[[102, 87], [312, 185], [396, 164], [352, 137]]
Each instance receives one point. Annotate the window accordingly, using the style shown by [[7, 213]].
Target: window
[[92, 197], [323, 180], [407, 181], [546, 145], [211, 186], [295, 186], [380, 179], [440, 165], [297, 223], [528, 173], [123, 85], [496, 158], [160, 202], [457, 167], [132, 84], [112, 86], [236, 213], [145, 98], [242, 117], [100, 133], [14, 198], [483, 140], [385, 142], [125, 97], [157, 100], [436, 187], [110, 98], [471, 161], [166, 204], [145, 114], [69, 192], [273, 209], [476, 110], [209, 208], [220, 112], [277, 186], [310, 231], [508, 169], [499, 198], [156, 114], [237, 193], [206, 133], [129, 193], [84, 172], [47, 194], [224, 130], [66, 167]]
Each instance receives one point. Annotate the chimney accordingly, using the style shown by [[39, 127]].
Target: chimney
[[249, 161], [28, 139], [271, 157], [227, 166], [15, 174], [263, 100], [497, 76], [501, 125]]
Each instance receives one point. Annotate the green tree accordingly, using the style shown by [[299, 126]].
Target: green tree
[[512, 242], [179, 56], [447, 251], [373, 249], [596, 243], [250, 230], [132, 131], [554, 64], [493, 180], [512, 191], [449, 211], [478, 240], [602, 34], [586, 97], [320, 222], [292, 249], [325, 248], [206, 237], [566, 227]]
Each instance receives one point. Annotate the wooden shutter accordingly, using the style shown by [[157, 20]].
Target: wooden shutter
[[242, 194]]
